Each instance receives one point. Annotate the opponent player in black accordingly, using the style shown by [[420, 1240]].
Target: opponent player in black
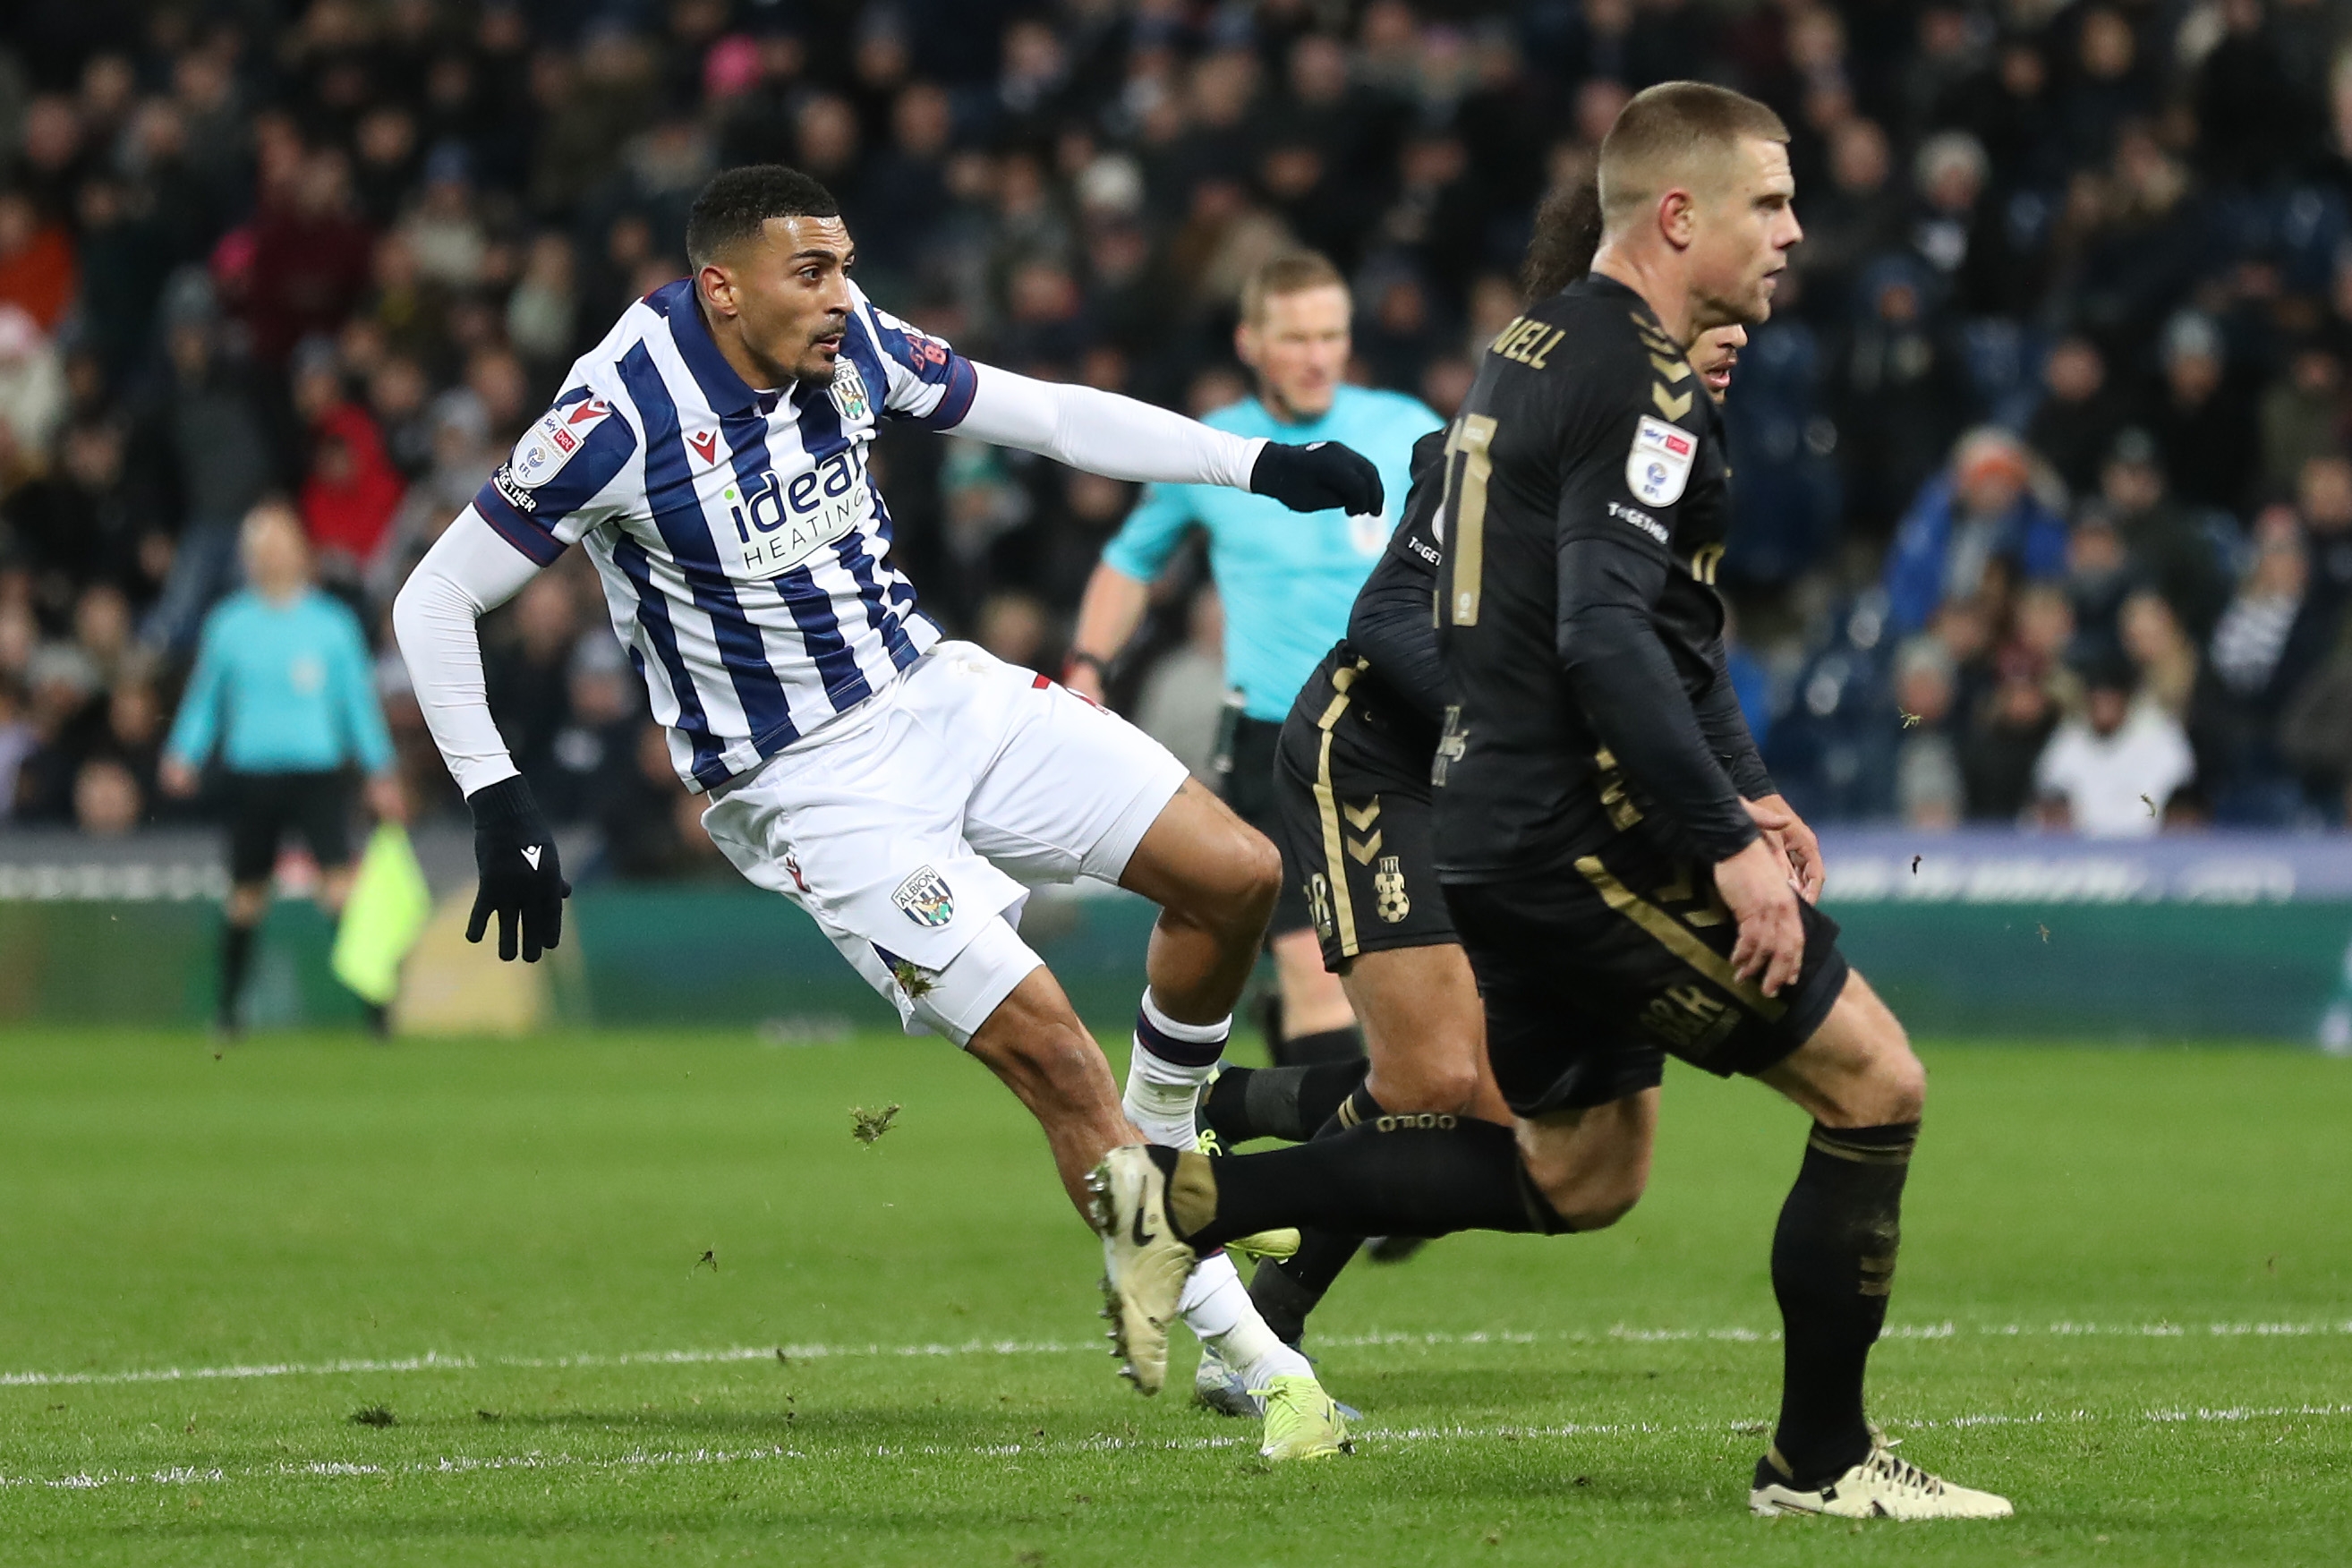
[[1352, 788], [1616, 897]]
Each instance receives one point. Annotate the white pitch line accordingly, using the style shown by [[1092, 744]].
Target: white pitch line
[[466, 1464], [436, 1361]]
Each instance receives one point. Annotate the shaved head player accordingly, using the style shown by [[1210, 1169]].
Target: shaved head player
[[1618, 901]]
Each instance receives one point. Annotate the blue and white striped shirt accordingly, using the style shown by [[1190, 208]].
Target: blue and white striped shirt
[[744, 551]]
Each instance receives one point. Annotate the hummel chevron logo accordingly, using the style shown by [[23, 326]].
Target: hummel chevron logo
[[531, 855], [1672, 408], [706, 445]]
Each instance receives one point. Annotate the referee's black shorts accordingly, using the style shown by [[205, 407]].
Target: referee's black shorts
[[263, 807], [1594, 974], [1351, 793]]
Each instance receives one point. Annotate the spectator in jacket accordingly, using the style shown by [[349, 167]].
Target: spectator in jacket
[[1981, 508]]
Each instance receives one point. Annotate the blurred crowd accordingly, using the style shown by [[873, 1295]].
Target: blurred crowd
[[2045, 509]]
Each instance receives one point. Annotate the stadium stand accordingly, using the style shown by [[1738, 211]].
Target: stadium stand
[[2046, 446]]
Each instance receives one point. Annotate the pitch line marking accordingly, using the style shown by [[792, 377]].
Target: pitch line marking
[[639, 1458], [436, 1361]]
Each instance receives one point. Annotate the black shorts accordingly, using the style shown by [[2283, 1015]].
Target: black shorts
[[1593, 975], [262, 806], [1352, 788]]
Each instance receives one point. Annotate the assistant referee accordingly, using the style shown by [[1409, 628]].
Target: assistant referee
[[283, 690], [1287, 582]]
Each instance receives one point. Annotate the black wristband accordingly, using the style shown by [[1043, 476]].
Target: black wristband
[[509, 800], [1095, 662]]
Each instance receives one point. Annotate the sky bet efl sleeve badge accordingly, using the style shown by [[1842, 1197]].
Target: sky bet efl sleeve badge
[[547, 446], [1659, 465]]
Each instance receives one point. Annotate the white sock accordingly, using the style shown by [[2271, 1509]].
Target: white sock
[[1217, 1308], [1161, 1092]]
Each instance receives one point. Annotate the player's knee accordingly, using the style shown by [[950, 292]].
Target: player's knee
[[1893, 1084], [1053, 1041], [1905, 1085], [1032, 1032], [1889, 1089], [1258, 870], [1233, 880], [1446, 1087], [1595, 1200]]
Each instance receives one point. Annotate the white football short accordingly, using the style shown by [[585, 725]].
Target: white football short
[[913, 827]]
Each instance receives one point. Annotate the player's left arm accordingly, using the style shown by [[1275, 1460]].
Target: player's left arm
[[1727, 732], [1104, 432], [1122, 438]]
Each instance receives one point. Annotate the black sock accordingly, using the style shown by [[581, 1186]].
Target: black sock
[[1832, 1266], [1293, 1287], [1340, 1045], [1355, 1107], [1277, 1103], [1416, 1174], [236, 957], [1281, 1300]]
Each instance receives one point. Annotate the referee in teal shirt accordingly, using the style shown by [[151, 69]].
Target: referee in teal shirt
[[1287, 581], [284, 692]]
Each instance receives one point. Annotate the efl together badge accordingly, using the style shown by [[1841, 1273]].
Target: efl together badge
[[1659, 465], [547, 446], [925, 898]]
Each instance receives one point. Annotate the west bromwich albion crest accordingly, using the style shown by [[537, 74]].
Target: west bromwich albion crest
[[848, 390], [925, 898]]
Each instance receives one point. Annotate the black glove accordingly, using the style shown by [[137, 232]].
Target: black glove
[[522, 881], [1317, 477]]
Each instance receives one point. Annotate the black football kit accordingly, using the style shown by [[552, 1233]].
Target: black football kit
[[1590, 770], [1587, 776]]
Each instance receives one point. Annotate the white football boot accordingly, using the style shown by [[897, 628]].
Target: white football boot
[[1883, 1486], [1144, 1265]]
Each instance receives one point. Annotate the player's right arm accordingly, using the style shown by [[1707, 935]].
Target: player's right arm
[[545, 497], [1612, 564]]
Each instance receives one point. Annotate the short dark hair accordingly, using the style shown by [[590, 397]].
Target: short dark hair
[[736, 202], [1663, 130]]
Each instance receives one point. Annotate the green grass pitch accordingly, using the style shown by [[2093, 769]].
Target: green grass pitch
[[565, 1270]]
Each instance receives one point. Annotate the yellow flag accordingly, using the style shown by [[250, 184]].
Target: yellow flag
[[383, 917]]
